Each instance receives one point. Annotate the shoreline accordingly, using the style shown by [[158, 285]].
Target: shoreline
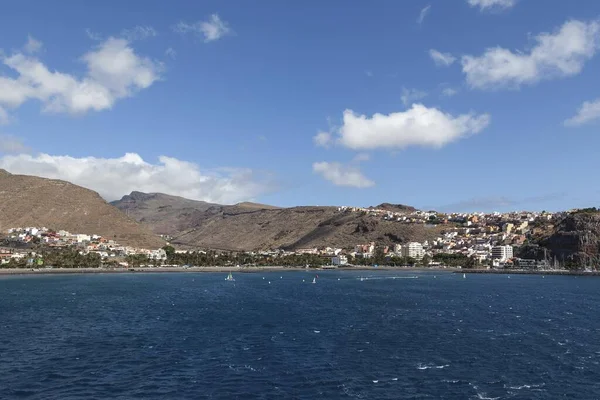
[[528, 272], [250, 270], [243, 270]]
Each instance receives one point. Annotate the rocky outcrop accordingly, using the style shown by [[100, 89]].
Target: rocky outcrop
[[576, 240]]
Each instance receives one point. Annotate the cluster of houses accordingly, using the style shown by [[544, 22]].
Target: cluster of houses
[[84, 243], [489, 238]]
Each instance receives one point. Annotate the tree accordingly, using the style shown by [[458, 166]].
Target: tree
[[378, 256], [170, 250]]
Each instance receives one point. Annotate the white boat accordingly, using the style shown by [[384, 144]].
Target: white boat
[[464, 275], [230, 277], [314, 280]]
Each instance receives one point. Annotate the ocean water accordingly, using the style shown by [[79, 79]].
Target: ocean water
[[278, 336]]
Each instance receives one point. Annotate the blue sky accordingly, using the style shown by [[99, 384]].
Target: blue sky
[[454, 105]]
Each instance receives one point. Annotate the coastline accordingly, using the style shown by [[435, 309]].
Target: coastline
[[158, 270], [250, 270], [528, 272]]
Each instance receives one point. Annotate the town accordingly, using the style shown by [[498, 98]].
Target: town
[[466, 240]]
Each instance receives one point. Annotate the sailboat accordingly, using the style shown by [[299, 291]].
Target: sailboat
[[314, 280], [464, 275], [230, 277]]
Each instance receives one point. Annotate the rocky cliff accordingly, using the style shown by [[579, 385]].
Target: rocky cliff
[[576, 240]]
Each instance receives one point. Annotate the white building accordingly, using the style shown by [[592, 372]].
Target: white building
[[339, 260], [159, 254], [413, 250], [502, 253], [83, 238]]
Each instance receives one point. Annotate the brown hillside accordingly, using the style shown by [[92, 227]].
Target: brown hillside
[[33, 201], [240, 227]]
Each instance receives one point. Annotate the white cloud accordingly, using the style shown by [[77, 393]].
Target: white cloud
[[417, 126], [441, 59], [589, 111], [492, 4], [410, 95], [12, 144], [211, 30], [114, 71], [323, 139], [114, 177], [342, 175], [449, 92], [554, 55], [139, 33], [424, 11], [32, 45]]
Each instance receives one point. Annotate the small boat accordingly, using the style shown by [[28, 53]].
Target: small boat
[[230, 277], [465, 276], [314, 280]]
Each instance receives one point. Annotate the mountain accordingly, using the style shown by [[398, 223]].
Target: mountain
[[33, 201], [250, 226], [163, 213], [171, 215]]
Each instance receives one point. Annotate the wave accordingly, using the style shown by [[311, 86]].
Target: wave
[[519, 387], [431, 366]]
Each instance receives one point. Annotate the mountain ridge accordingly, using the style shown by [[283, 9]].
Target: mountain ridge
[[251, 226], [27, 200]]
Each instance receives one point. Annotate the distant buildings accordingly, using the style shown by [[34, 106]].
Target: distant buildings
[[339, 260], [413, 250], [502, 253]]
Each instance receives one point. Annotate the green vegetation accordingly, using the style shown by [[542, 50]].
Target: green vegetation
[[212, 258], [589, 210], [71, 257], [455, 260], [64, 258]]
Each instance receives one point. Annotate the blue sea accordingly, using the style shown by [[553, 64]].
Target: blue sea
[[278, 336]]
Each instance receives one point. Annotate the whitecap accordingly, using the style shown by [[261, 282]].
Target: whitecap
[[394, 379], [431, 366], [483, 396], [519, 387]]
